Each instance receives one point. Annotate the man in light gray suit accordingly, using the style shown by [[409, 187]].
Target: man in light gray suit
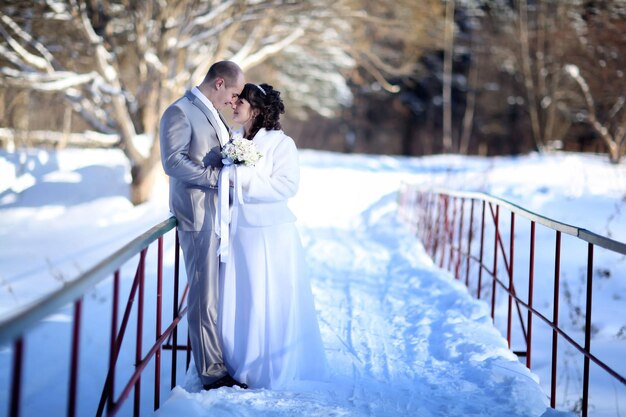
[[192, 133]]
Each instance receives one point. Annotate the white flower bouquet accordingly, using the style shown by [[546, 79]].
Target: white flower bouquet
[[240, 151]]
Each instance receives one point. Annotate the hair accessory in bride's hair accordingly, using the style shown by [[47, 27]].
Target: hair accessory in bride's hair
[[261, 88]]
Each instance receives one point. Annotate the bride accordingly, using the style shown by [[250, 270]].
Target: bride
[[267, 319]]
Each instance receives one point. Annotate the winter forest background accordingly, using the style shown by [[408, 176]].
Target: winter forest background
[[527, 78], [388, 77]]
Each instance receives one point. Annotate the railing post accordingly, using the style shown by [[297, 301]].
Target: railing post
[[451, 233], [159, 306], [432, 224], [585, 404], [139, 338], [555, 317], [175, 310], [440, 225], [446, 222], [112, 347], [457, 267], [482, 251], [16, 379], [495, 264], [511, 254], [427, 223], [470, 234], [531, 278], [71, 406], [118, 344]]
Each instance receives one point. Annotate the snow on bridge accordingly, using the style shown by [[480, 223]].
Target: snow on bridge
[[402, 337]]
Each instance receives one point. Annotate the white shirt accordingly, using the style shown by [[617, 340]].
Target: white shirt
[[223, 133]]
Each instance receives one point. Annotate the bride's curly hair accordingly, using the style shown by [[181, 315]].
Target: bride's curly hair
[[267, 102]]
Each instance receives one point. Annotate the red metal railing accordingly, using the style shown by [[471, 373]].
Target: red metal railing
[[439, 218], [14, 330]]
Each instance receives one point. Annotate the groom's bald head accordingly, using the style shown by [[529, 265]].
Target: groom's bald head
[[230, 72], [222, 84]]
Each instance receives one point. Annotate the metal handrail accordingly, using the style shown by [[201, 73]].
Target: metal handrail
[[14, 325], [434, 212], [14, 328], [584, 234]]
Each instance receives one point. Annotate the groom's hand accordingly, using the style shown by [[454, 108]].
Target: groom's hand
[[214, 158]]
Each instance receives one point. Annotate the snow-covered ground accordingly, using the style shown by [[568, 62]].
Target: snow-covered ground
[[402, 337]]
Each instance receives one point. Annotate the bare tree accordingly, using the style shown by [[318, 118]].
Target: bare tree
[[541, 62], [593, 88], [548, 36], [139, 56], [447, 75], [470, 102], [612, 130], [121, 63]]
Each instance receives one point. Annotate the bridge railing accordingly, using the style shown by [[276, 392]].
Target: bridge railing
[[129, 354], [480, 238]]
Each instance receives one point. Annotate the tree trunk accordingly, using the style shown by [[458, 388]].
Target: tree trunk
[[470, 101], [143, 177], [468, 117], [407, 134], [614, 154], [447, 76], [621, 133], [531, 95]]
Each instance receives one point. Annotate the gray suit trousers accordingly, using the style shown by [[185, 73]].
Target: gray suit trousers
[[201, 263]]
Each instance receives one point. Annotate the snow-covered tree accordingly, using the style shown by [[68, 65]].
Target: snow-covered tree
[[531, 44], [593, 85], [121, 63]]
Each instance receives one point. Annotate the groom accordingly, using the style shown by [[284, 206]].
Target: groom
[[192, 133]]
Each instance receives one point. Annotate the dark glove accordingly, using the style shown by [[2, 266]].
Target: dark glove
[[214, 158]]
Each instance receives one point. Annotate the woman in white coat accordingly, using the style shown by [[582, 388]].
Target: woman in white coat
[[268, 322]]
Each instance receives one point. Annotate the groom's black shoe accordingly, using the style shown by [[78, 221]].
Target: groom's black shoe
[[227, 381]]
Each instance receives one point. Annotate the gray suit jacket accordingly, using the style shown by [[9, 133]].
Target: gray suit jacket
[[190, 153]]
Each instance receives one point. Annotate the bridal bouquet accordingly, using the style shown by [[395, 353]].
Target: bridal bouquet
[[240, 151]]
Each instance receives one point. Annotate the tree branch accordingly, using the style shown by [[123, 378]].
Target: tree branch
[[379, 77], [103, 57], [55, 81], [269, 50], [96, 116], [13, 58], [407, 68], [198, 38], [212, 14], [89, 139], [44, 64], [619, 104], [604, 133]]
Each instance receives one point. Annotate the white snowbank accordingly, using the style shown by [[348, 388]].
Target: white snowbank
[[402, 337]]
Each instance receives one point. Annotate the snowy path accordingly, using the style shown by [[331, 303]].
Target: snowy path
[[402, 338]]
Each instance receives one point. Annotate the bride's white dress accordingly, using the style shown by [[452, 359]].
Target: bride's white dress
[[267, 320]]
